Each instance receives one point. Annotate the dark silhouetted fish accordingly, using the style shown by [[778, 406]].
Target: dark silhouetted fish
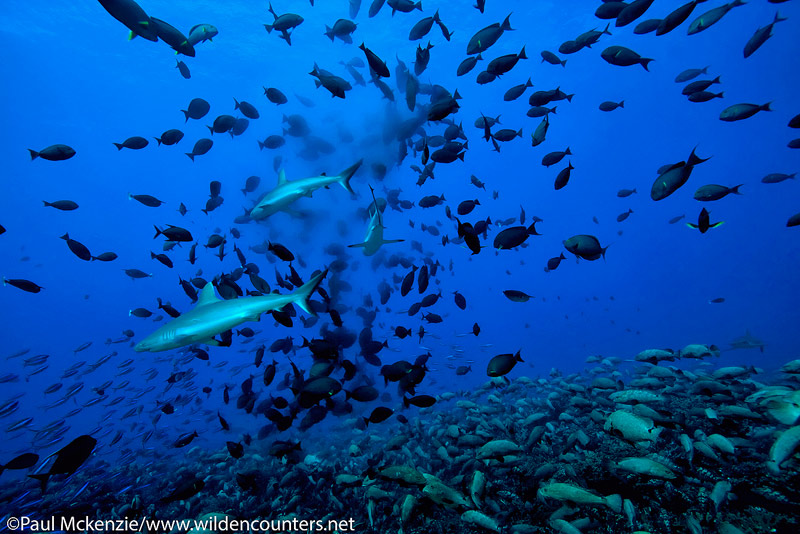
[[68, 459]]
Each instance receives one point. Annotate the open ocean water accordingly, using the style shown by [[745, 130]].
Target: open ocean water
[[518, 267]]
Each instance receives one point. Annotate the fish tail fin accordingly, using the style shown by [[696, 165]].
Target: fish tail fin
[[118, 145], [34, 154], [42, 478], [778, 18], [694, 159], [158, 230], [506, 26], [766, 107], [418, 5], [260, 147], [521, 54], [735, 189], [622, 103], [268, 27], [563, 62], [186, 114], [191, 156], [645, 62], [614, 502], [345, 175], [329, 32], [158, 139], [302, 294]]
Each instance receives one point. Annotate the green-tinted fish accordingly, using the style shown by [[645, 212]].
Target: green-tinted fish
[[704, 222], [739, 112], [502, 364], [133, 17], [710, 192], [707, 19]]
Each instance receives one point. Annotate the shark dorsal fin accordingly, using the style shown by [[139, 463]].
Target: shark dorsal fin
[[207, 295], [282, 177], [324, 174], [377, 209]]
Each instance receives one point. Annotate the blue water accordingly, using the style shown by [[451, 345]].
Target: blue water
[[70, 76]]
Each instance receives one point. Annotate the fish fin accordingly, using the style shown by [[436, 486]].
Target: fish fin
[[43, 478], [302, 293], [357, 245], [207, 295], [282, 177], [690, 225], [345, 175]]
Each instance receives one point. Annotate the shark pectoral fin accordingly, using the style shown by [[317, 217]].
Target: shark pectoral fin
[[717, 224], [385, 241], [256, 317], [293, 213], [356, 245], [690, 225], [213, 342], [310, 193]]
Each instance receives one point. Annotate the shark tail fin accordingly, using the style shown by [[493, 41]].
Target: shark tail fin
[[345, 175], [303, 293]]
